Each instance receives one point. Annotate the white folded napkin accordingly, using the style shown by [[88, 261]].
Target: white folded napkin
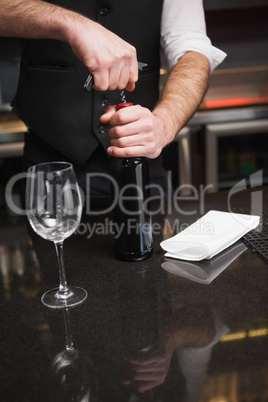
[[209, 235]]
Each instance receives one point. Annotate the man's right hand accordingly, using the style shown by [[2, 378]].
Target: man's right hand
[[111, 60]]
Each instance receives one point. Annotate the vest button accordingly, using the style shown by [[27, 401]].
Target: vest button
[[104, 11], [104, 103], [101, 130]]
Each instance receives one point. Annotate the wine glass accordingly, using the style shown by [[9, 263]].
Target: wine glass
[[54, 207]]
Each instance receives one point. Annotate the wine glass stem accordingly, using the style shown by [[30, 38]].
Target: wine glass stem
[[63, 288]]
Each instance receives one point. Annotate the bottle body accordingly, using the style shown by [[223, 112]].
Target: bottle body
[[132, 210]]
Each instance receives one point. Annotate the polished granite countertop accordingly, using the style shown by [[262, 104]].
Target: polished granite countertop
[[148, 331]]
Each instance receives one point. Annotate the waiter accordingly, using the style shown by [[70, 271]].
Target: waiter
[[65, 39]]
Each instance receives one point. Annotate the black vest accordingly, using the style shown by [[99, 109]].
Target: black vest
[[50, 98]]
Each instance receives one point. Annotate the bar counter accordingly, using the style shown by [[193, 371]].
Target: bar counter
[[156, 330]]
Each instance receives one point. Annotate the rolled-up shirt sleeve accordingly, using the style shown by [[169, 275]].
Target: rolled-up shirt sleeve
[[183, 29]]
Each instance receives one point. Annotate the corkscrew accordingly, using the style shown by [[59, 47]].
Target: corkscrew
[[90, 79]]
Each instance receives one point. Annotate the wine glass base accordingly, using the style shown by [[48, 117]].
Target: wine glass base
[[75, 297]]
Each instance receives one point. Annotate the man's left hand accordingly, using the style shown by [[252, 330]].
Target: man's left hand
[[135, 131]]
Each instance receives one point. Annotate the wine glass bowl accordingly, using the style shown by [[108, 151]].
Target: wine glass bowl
[[54, 208]]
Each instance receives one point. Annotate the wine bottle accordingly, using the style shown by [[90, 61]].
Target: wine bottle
[[131, 212]]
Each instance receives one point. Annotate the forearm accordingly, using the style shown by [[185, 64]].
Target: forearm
[[111, 60], [185, 88], [34, 19]]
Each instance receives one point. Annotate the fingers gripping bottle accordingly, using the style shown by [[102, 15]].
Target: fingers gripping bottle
[[131, 213]]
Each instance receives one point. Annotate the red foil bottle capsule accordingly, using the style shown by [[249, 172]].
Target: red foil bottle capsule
[[131, 212]]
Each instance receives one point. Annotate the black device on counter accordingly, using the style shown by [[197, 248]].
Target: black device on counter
[[131, 212]]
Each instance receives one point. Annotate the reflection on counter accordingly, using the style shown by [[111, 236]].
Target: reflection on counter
[[72, 376], [231, 386], [207, 270], [20, 270], [180, 340], [138, 335], [143, 334]]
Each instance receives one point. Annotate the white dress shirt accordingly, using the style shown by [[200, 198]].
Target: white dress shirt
[[183, 28]]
